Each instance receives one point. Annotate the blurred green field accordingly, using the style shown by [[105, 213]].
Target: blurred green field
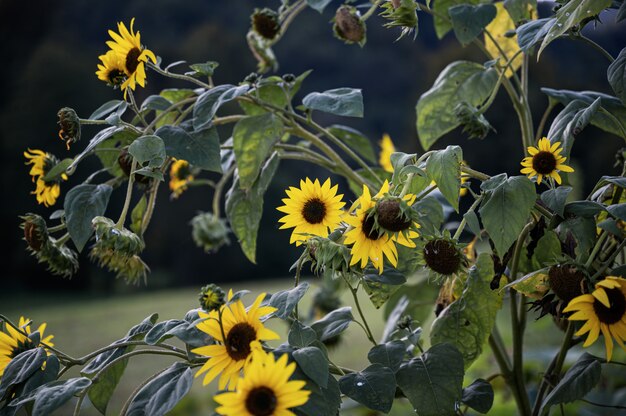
[[82, 325]]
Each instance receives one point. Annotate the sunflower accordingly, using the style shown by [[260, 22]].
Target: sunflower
[[369, 243], [133, 56], [180, 176], [13, 342], [393, 215], [442, 255], [265, 389], [386, 149], [603, 310], [111, 69], [47, 191], [238, 332], [312, 209], [545, 160]]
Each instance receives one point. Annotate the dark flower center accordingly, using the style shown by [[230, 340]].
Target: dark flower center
[[32, 236], [238, 341], [565, 282], [266, 24], [544, 163], [183, 171], [368, 228], [116, 77], [442, 256], [132, 60], [390, 216], [314, 211], [615, 313], [261, 401]]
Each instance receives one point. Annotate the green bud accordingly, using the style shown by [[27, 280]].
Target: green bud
[[209, 233], [262, 52], [474, 123], [61, 260], [401, 13], [211, 297]]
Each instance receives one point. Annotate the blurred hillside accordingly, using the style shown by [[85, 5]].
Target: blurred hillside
[[50, 52]]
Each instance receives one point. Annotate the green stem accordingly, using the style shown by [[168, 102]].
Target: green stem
[[97, 376], [310, 159], [129, 194], [304, 150], [407, 184], [56, 228], [87, 122], [371, 10], [62, 240], [147, 217], [178, 76], [544, 119], [219, 189], [296, 282], [171, 108], [133, 105], [365, 326], [463, 223], [596, 249]]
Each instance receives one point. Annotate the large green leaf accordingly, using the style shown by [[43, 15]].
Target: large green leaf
[[54, 395], [442, 21], [109, 107], [459, 82], [286, 300], [340, 101], [20, 368], [469, 21], [148, 149], [520, 10], [81, 205], [209, 102], [444, 167], [571, 121], [245, 208], [478, 396], [313, 363], [532, 32], [389, 354], [200, 148], [301, 335], [253, 140], [555, 198], [468, 321], [571, 14], [108, 151], [433, 382], [506, 209], [334, 323], [616, 75], [373, 387]]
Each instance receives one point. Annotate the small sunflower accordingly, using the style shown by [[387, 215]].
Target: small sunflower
[[265, 389], [442, 256], [311, 209], [47, 191], [127, 46], [368, 242], [545, 160], [603, 310], [180, 176], [238, 332], [111, 69], [13, 342], [386, 149]]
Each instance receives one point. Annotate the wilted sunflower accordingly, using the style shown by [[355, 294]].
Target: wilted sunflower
[[238, 331], [111, 69], [265, 389], [369, 243], [545, 160], [603, 310], [13, 342], [393, 215], [127, 46], [180, 176], [47, 191], [386, 149], [311, 209], [442, 256]]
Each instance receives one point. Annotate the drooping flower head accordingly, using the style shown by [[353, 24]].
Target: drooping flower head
[[545, 160], [13, 342], [312, 209], [238, 332], [69, 126], [47, 191], [386, 149], [604, 310], [265, 389], [180, 176], [393, 214], [442, 256], [131, 54]]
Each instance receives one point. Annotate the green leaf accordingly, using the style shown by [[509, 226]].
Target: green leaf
[[81, 205], [373, 387], [576, 383], [205, 69], [571, 121], [318, 5], [314, 364], [272, 94], [469, 21], [340, 101], [519, 9], [444, 167], [156, 102], [54, 395], [548, 250], [433, 382], [185, 330], [531, 33], [616, 75], [584, 230], [301, 335], [355, 140], [162, 393], [472, 222], [333, 324], [478, 396], [389, 354], [200, 148], [136, 215], [107, 108], [555, 198], [431, 213], [93, 143], [109, 157], [468, 321], [621, 13], [253, 140], [505, 211], [57, 170], [585, 209], [618, 211], [20, 368], [209, 102], [148, 149], [572, 13], [244, 209], [378, 292], [286, 300], [461, 81], [440, 9]]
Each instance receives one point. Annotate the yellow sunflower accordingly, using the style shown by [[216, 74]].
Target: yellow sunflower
[[238, 332], [311, 209], [368, 243], [603, 310], [47, 191], [111, 69], [386, 149], [545, 160], [391, 219], [265, 389], [13, 342], [127, 46], [180, 176]]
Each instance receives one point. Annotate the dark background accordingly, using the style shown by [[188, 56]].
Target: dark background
[[50, 51]]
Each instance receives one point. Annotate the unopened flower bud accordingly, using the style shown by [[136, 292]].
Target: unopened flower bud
[[211, 297], [474, 123], [209, 232]]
